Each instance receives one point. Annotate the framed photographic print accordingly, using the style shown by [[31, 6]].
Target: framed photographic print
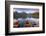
[[24, 17]]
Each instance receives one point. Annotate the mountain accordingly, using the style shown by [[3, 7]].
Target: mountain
[[25, 15]]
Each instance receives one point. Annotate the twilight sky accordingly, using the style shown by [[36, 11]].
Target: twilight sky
[[26, 10]]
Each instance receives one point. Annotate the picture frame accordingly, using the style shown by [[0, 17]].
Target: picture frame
[[22, 7]]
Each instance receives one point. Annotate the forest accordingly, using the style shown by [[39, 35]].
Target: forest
[[25, 15]]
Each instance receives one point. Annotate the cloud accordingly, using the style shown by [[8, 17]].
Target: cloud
[[26, 10]]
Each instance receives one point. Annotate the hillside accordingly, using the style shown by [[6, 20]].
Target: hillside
[[25, 15]]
